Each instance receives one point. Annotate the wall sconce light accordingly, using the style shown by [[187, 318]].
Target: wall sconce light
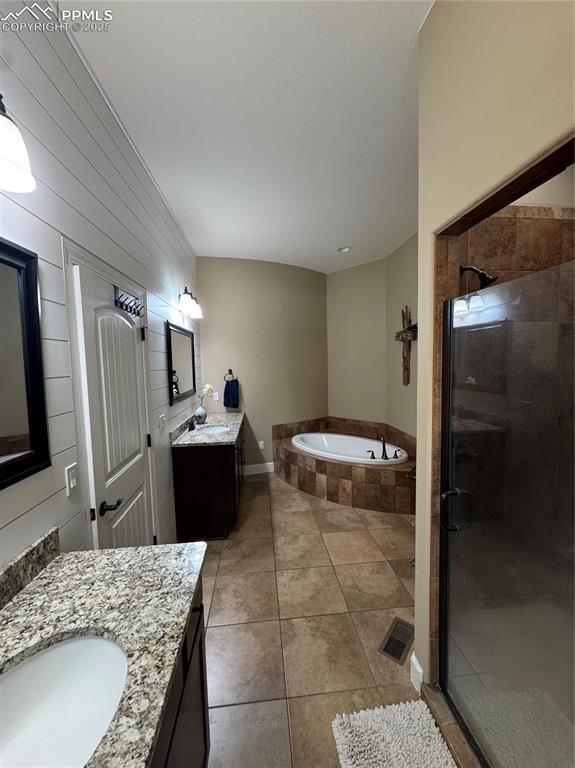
[[188, 305], [15, 172]]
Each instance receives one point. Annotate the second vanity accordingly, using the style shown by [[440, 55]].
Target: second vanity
[[135, 614], [207, 465]]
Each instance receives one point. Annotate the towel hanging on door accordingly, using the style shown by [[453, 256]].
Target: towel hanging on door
[[231, 390]]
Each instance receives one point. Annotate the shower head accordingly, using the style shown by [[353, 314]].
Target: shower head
[[485, 279]]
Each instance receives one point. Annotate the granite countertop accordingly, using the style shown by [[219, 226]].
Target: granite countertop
[[182, 438], [141, 598]]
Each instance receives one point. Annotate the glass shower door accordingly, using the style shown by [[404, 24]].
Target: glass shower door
[[507, 519]]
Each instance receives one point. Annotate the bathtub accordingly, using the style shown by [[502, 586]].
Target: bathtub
[[350, 448]]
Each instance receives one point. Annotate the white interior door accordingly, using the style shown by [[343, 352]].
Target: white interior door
[[112, 374]]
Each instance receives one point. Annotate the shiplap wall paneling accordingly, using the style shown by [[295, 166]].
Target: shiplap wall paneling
[[93, 189]]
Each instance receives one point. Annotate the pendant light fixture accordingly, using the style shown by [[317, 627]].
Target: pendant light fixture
[[15, 172], [188, 305]]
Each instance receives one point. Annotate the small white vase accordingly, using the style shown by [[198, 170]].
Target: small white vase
[[200, 415]]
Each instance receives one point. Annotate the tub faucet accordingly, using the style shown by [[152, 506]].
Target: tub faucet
[[383, 447]]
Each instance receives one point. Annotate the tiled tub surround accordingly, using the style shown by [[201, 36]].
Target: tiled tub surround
[[20, 571], [383, 489], [182, 437], [139, 597]]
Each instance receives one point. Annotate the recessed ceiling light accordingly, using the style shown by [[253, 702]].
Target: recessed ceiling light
[[344, 249]]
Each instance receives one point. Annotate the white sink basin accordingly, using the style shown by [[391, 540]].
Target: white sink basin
[[56, 705], [214, 430]]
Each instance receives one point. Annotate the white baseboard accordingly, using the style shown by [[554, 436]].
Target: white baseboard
[[416, 673], [258, 469]]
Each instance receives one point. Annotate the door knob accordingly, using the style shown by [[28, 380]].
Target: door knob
[[105, 507]]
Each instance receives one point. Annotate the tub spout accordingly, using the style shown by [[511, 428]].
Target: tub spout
[[383, 447]]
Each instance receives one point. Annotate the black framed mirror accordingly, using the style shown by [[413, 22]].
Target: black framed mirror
[[181, 362], [24, 446]]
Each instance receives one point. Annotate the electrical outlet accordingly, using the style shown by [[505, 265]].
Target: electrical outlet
[[71, 478], [216, 396], [261, 445], [163, 421]]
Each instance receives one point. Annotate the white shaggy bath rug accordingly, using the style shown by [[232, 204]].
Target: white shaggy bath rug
[[396, 736]]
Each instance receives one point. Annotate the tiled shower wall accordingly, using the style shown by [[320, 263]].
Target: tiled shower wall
[[517, 241]]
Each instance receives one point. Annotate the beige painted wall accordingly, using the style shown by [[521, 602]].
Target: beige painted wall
[[364, 306], [556, 191], [357, 342], [496, 90], [267, 322], [401, 290]]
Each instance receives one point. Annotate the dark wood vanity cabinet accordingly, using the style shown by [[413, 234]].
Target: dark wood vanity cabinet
[[207, 482], [184, 737]]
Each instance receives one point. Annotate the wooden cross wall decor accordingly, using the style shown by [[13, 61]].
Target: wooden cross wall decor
[[406, 336]]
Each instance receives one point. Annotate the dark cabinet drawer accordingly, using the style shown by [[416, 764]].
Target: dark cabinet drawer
[[169, 717], [191, 740], [184, 737]]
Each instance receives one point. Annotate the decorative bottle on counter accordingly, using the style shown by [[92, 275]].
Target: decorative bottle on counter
[[200, 414]]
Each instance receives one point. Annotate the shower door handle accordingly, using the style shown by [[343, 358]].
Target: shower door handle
[[466, 521]]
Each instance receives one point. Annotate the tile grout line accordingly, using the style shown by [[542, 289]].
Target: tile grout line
[[331, 565], [307, 615], [349, 611], [281, 643], [341, 614], [287, 699], [215, 576]]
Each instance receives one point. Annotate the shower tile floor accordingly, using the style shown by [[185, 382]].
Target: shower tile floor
[[298, 600]]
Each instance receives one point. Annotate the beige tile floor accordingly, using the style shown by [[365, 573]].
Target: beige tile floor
[[298, 600]]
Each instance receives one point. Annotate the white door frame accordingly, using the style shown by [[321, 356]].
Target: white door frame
[[75, 254]]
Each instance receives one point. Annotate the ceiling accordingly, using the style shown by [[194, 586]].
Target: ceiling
[[275, 130]]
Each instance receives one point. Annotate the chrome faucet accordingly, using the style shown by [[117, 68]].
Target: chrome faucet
[[191, 425], [383, 447]]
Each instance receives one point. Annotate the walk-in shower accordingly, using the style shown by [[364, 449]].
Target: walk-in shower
[[506, 657]]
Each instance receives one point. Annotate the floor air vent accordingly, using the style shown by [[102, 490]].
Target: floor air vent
[[398, 640]]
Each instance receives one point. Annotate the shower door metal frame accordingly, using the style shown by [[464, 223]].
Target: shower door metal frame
[[446, 522]]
